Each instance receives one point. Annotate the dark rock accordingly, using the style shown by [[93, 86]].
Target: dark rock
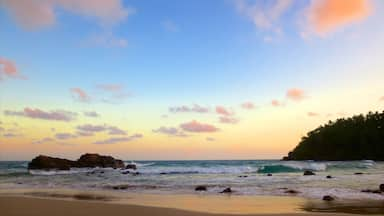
[[131, 166], [269, 174], [329, 177], [308, 172], [328, 198], [371, 191], [86, 160], [125, 172], [243, 176], [227, 190], [163, 173], [201, 188], [283, 188], [46, 162], [358, 173], [291, 191], [120, 187], [96, 160], [136, 173], [381, 187]]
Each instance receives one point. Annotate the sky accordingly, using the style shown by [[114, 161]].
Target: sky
[[178, 80]]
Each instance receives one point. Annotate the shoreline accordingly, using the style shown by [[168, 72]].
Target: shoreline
[[198, 204]]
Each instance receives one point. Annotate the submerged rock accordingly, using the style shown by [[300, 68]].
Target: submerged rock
[[201, 188], [131, 166], [328, 198], [358, 173], [381, 187], [292, 191], [329, 177], [269, 174], [371, 191], [308, 172], [227, 190], [86, 160]]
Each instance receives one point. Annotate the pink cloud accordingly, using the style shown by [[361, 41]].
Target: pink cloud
[[110, 87], [223, 111], [114, 140], [295, 94], [228, 120], [276, 103], [64, 136], [312, 114], [38, 14], [198, 127], [58, 115], [382, 98], [92, 114], [9, 69], [328, 15], [248, 105], [80, 95]]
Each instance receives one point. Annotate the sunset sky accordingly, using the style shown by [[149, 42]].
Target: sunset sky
[[149, 79]]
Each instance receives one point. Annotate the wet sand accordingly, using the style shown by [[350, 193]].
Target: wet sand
[[33, 206]]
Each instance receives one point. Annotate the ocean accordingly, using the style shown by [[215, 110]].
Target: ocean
[[245, 177]]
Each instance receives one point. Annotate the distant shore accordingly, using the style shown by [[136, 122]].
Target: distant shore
[[68, 203]]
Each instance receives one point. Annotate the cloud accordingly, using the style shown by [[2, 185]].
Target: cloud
[[91, 114], [313, 114], [110, 87], [195, 108], [64, 136], [44, 140], [382, 98], [11, 135], [295, 94], [171, 131], [228, 120], [80, 95], [210, 139], [8, 69], [264, 14], [277, 103], [106, 40], [248, 105], [57, 115], [197, 127], [84, 133], [88, 130], [329, 15], [170, 26], [223, 111], [114, 140], [116, 131], [35, 14]]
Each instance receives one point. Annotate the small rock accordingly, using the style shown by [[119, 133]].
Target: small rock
[[371, 191], [329, 177], [125, 172], [136, 173], [131, 166], [358, 173], [291, 191], [120, 187], [243, 176], [227, 190], [163, 173], [308, 172], [201, 188], [269, 174], [381, 187], [328, 198]]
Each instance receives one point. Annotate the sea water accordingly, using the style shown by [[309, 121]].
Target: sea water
[[245, 177]]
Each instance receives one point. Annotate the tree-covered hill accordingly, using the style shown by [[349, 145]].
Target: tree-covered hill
[[360, 137]]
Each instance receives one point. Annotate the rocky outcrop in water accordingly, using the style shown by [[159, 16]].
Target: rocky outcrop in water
[[86, 160]]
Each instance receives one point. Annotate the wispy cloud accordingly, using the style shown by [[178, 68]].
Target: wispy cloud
[[197, 127], [40, 14], [89, 129], [276, 103], [312, 114], [228, 120], [195, 108], [110, 87], [224, 111], [106, 40], [170, 26], [91, 114], [210, 139], [80, 95], [43, 140], [171, 131], [57, 115], [113, 130], [64, 136], [382, 98], [114, 140], [326, 16], [296, 94], [8, 69], [248, 105], [264, 14]]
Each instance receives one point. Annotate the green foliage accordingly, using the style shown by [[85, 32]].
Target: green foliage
[[356, 138]]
